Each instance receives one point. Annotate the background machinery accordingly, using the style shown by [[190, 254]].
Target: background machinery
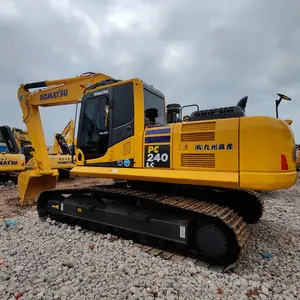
[[63, 149], [298, 157], [65, 141], [19, 154], [22, 139], [12, 161], [188, 183]]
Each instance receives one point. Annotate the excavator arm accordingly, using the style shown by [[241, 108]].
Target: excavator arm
[[67, 134], [55, 92]]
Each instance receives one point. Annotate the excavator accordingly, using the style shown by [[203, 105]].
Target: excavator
[[20, 154], [12, 161], [22, 138], [192, 182]]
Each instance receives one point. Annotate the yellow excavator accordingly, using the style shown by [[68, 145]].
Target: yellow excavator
[[12, 161], [192, 183], [21, 137], [20, 154]]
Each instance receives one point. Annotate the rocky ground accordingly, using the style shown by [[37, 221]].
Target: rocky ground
[[9, 196], [44, 260]]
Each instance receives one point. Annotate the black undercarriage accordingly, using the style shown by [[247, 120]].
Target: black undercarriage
[[198, 221]]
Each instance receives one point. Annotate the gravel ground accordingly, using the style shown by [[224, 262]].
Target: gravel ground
[[41, 260], [10, 202]]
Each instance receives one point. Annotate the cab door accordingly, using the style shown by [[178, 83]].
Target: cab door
[[93, 135]]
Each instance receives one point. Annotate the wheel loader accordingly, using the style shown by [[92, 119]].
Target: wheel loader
[[191, 181]]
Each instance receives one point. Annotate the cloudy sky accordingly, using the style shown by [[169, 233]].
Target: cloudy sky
[[210, 52]]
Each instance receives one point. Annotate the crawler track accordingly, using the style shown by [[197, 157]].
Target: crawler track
[[178, 256], [210, 220]]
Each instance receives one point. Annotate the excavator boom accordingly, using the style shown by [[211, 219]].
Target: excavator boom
[[51, 93], [59, 92]]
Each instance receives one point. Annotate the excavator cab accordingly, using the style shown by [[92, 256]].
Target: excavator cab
[[108, 117], [93, 136]]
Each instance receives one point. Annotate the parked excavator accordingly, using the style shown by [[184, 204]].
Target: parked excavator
[[22, 139], [189, 182], [63, 150], [20, 154], [12, 161]]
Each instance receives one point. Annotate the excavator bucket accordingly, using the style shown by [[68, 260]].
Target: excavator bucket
[[31, 183]]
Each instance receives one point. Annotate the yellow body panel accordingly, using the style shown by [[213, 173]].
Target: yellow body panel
[[56, 162], [190, 137], [262, 142], [234, 153], [229, 180], [12, 162], [61, 162]]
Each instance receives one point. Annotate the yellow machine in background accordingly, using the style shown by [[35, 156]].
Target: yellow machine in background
[[11, 161], [22, 137], [61, 157], [67, 136], [17, 140], [298, 158], [190, 183]]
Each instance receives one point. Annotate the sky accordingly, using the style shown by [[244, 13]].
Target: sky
[[211, 52]]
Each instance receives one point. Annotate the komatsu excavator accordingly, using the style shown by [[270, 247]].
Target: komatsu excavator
[[191, 183], [63, 149], [12, 161], [20, 154], [22, 138]]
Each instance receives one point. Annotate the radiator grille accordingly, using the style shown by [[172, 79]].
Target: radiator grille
[[127, 148], [188, 127], [198, 137], [191, 160]]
